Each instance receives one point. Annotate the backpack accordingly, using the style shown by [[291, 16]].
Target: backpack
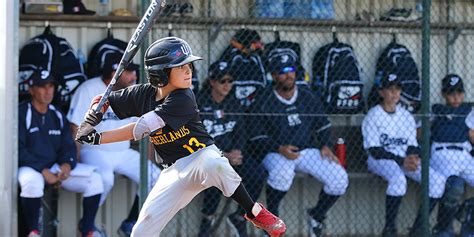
[[290, 49], [337, 79], [95, 60], [54, 54], [397, 59]]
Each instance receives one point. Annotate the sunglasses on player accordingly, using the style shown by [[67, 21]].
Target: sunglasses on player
[[286, 70]]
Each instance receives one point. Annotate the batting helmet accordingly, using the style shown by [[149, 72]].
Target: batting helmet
[[165, 53]]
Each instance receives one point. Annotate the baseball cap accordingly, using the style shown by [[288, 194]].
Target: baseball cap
[[282, 64], [41, 78], [452, 83], [218, 69], [246, 37], [110, 62], [388, 80]]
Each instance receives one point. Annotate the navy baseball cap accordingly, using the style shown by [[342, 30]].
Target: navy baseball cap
[[111, 61], [388, 80], [40, 78], [282, 64], [452, 83], [218, 69]]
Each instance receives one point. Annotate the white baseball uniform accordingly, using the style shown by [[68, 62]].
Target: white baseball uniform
[[395, 132]]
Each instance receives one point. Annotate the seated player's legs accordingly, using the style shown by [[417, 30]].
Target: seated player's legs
[[87, 185], [331, 174], [281, 171], [448, 162], [98, 158], [437, 181], [468, 168], [180, 183], [31, 182], [32, 190], [391, 172]]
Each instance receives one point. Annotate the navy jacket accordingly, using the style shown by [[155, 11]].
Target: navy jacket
[[44, 139]]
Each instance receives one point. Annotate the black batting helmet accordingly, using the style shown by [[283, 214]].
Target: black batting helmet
[[165, 53]]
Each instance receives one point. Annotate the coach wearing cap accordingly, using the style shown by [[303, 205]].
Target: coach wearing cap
[[47, 155], [110, 158]]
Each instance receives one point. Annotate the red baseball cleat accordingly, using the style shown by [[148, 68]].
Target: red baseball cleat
[[265, 220]]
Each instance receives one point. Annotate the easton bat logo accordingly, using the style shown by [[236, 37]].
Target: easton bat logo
[[142, 25]]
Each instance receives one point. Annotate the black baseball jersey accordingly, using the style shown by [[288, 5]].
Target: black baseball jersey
[[183, 133], [222, 121]]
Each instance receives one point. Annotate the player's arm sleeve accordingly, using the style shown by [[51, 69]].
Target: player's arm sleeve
[[25, 158], [177, 109], [67, 152], [124, 101], [379, 153]]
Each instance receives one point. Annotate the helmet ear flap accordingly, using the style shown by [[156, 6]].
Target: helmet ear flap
[[157, 78]]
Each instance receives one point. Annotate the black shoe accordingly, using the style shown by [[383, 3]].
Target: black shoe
[[389, 232], [315, 227], [205, 227], [237, 224]]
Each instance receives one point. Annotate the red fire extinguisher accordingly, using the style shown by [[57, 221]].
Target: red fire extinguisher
[[341, 151]]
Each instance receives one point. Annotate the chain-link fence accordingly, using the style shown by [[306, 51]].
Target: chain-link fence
[[318, 105]]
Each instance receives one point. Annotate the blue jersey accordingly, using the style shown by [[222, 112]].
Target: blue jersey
[[44, 139], [299, 121], [222, 121], [449, 124]]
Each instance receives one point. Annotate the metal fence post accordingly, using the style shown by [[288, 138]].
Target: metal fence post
[[144, 142], [425, 108]]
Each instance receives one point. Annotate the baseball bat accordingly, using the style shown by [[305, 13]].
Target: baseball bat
[[133, 45]]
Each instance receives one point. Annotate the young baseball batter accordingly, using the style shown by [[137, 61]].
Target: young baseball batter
[[389, 133], [452, 134], [169, 116]]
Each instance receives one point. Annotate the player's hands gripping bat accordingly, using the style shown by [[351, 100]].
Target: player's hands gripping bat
[[91, 119]]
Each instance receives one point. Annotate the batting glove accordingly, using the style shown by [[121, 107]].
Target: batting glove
[[93, 138]]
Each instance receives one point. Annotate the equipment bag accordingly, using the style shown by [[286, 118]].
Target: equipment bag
[[55, 55], [336, 75], [397, 59], [95, 59]]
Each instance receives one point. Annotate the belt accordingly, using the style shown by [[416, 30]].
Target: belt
[[458, 148]]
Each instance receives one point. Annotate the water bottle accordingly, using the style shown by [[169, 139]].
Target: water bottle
[[341, 151], [103, 8]]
